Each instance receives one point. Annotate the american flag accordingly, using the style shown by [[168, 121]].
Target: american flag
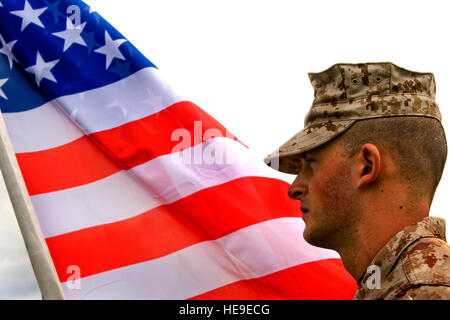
[[141, 191]]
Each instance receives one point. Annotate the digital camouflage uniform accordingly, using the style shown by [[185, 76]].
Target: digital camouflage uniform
[[415, 263], [346, 93]]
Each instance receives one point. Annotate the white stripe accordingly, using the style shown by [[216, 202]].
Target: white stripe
[[40, 128], [53, 124], [249, 253], [162, 180]]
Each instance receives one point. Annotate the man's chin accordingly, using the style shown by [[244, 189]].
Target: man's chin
[[309, 235], [314, 237]]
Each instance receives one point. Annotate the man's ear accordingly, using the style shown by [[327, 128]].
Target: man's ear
[[370, 160]]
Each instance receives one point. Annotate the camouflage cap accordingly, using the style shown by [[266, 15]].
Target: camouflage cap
[[346, 93]]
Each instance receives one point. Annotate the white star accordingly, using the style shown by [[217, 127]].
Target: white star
[[29, 15], [111, 49], [72, 34], [42, 69], [2, 94], [1, 4], [7, 50]]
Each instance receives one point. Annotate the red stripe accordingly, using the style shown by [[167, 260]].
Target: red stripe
[[317, 280], [77, 163], [208, 214], [103, 153]]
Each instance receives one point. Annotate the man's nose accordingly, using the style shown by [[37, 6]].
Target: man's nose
[[298, 189]]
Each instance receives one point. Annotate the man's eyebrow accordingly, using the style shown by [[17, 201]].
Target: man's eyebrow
[[306, 154]]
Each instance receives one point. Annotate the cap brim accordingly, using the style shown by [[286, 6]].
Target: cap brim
[[285, 158]]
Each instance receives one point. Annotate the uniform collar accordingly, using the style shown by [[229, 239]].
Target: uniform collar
[[389, 255]]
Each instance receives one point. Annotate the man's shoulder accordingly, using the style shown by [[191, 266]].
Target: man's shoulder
[[422, 272], [415, 261], [425, 292], [427, 261]]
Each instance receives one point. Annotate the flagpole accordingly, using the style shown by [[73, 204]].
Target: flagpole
[[38, 252]]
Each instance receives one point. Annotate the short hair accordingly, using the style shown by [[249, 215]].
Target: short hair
[[417, 145]]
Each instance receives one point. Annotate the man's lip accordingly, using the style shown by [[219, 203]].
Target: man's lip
[[304, 210]]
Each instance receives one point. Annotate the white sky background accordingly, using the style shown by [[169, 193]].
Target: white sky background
[[246, 63]]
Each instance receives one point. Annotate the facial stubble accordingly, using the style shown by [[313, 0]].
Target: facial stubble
[[334, 226]]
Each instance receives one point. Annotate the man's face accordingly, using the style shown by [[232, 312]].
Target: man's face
[[326, 189]]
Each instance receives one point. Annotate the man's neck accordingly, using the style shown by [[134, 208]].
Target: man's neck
[[356, 259], [372, 236]]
